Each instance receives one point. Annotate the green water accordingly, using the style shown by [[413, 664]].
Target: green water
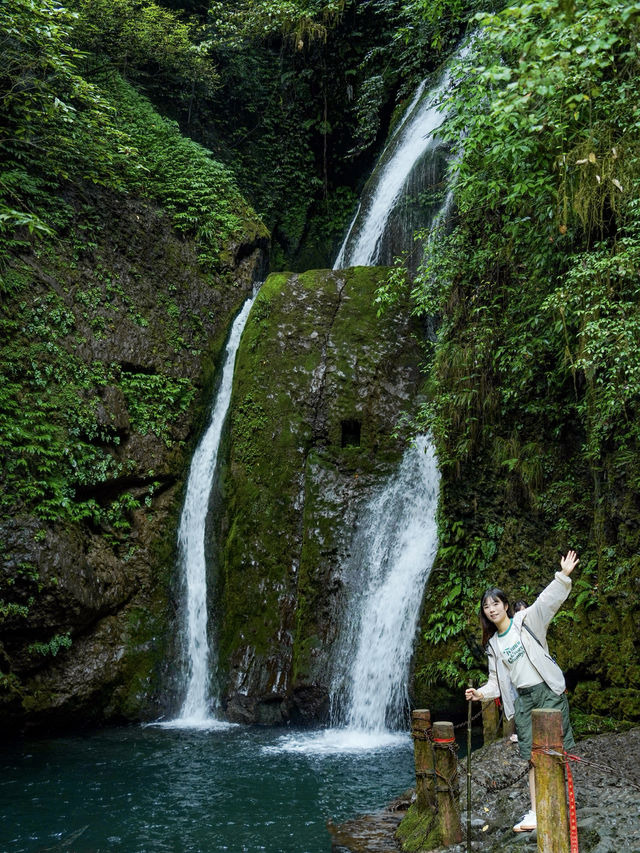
[[147, 790]]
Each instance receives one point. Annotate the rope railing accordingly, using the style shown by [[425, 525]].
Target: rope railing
[[567, 757]]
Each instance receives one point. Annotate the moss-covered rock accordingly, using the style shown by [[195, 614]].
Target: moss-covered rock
[[319, 386], [111, 337]]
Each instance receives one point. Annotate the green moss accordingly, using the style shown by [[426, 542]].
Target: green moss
[[417, 831], [145, 645], [313, 354]]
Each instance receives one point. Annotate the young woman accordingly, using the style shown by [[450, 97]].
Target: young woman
[[521, 670]]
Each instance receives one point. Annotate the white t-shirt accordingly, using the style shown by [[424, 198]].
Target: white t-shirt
[[522, 672]]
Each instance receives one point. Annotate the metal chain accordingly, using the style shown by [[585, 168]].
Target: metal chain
[[566, 757], [464, 723], [500, 786], [421, 734]]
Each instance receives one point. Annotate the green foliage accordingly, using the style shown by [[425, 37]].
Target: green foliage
[[155, 402], [64, 128], [300, 21], [463, 564], [542, 263], [424, 26], [51, 113], [51, 441], [143, 39], [52, 646], [587, 725]]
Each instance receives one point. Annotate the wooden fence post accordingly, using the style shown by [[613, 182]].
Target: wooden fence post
[[490, 721], [424, 760], [551, 799], [508, 727], [447, 790]]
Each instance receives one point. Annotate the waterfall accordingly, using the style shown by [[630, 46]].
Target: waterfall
[[395, 546], [393, 550], [414, 140], [197, 704]]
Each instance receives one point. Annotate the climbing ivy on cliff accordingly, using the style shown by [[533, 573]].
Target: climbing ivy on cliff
[[535, 378], [548, 223]]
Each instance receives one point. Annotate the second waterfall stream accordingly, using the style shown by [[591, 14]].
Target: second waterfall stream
[[198, 703], [395, 545]]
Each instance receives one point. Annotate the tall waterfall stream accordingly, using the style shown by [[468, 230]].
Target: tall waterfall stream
[[414, 137], [396, 543], [196, 708]]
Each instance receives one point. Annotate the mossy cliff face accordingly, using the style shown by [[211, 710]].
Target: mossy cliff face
[[315, 368], [112, 338], [508, 528], [505, 529]]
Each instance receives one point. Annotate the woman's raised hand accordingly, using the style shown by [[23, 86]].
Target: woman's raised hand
[[569, 562]]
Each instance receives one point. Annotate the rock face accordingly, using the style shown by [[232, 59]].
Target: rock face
[[87, 602], [319, 387]]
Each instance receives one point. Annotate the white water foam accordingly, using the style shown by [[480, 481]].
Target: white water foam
[[197, 705], [338, 740], [208, 725], [394, 549]]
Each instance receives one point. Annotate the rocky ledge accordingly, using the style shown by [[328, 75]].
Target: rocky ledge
[[607, 791]]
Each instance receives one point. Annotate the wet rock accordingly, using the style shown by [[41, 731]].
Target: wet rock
[[320, 384], [373, 833], [607, 791]]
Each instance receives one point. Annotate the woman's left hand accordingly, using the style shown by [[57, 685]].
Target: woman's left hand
[[569, 562]]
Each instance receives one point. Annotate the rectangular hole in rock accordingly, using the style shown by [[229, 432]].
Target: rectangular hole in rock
[[350, 433]]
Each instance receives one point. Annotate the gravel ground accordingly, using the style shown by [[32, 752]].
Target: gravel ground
[[607, 805]]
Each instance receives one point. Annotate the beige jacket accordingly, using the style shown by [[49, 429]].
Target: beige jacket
[[537, 619]]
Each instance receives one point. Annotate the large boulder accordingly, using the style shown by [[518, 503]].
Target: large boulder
[[320, 385]]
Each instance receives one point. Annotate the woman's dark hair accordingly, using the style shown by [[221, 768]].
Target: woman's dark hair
[[520, 604], [488, 628]]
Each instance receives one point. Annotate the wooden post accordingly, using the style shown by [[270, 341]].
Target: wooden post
[[490, 721], [447, 791], [424, 760], [508, 727], [551, 799]]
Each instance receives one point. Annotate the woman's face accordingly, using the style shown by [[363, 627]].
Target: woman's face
[[494, 609]]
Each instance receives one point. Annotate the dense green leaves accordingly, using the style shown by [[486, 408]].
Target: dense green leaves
[[51, 113], [535, 377], [300, 21], [548, 165], [141, 38]]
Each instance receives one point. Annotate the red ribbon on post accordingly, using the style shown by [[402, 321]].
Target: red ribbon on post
[[573, 817]]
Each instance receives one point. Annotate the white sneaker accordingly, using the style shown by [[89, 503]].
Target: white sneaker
[[527, 824]]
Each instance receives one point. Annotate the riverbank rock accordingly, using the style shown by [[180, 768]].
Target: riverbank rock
[[607, 803], [320, 385], [115, 329]]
